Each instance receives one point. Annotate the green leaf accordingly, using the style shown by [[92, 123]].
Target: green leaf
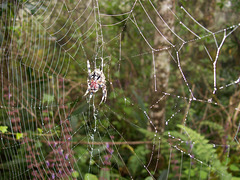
[[205, 151], [163, 175], [51, 113], [3, 129], [40, 130], [105, 174], [203, 174], [148, 178], [75, 174], [48, 98], [38, 144], [133, 164], [187, 171], [89, 176], [19, 136], [92, 162], [235, 178], [233, 167]]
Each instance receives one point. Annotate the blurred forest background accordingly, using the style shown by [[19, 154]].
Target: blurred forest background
[[164, 118]]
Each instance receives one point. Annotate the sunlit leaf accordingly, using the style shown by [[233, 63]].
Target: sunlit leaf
[[19, 136], [148, 178], [40, 130], [233, 167], [3, 129], [75, 174], [89, 176], [235, 178]]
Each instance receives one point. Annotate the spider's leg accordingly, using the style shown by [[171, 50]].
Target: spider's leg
[[89, 68], [86, 92], [90, 96], [101, 68], [104, 96]]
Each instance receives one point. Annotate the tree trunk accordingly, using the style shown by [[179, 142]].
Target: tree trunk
[[162, 63]]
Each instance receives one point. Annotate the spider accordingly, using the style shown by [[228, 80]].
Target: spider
[[96, 80]]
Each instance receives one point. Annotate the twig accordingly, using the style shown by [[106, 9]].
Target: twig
[[114, 143]]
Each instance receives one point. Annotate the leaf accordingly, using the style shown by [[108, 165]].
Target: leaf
[[213, 126], [105, 174], [235, 178], [38, 144], [75, 174], [133, 164], [129, 147], [3, 129], [203, 174], [148, 178], [48, 98], [233, 167], [92, 162], [89, 176], [205, 151], [187, 171], [40, 130], [19, 136], [163, 175]]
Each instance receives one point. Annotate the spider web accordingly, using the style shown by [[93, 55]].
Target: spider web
[[50, 131]]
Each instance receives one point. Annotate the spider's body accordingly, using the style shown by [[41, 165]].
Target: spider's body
[[96, 80]]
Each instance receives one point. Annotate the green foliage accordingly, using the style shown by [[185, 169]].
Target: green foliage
[[19, 136], [38, 144], [75, 174], [3, 129], [136, 160], [89, 176], [129, 91], [203, 151], [148, 178], [39, 130], [233, 167], [164, 175], [48, 98], [104, 174], [213, 126], [235, 178]]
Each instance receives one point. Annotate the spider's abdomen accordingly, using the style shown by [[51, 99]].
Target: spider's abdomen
[[94, 86]]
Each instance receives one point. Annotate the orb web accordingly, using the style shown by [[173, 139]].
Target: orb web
[[49, 130]]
